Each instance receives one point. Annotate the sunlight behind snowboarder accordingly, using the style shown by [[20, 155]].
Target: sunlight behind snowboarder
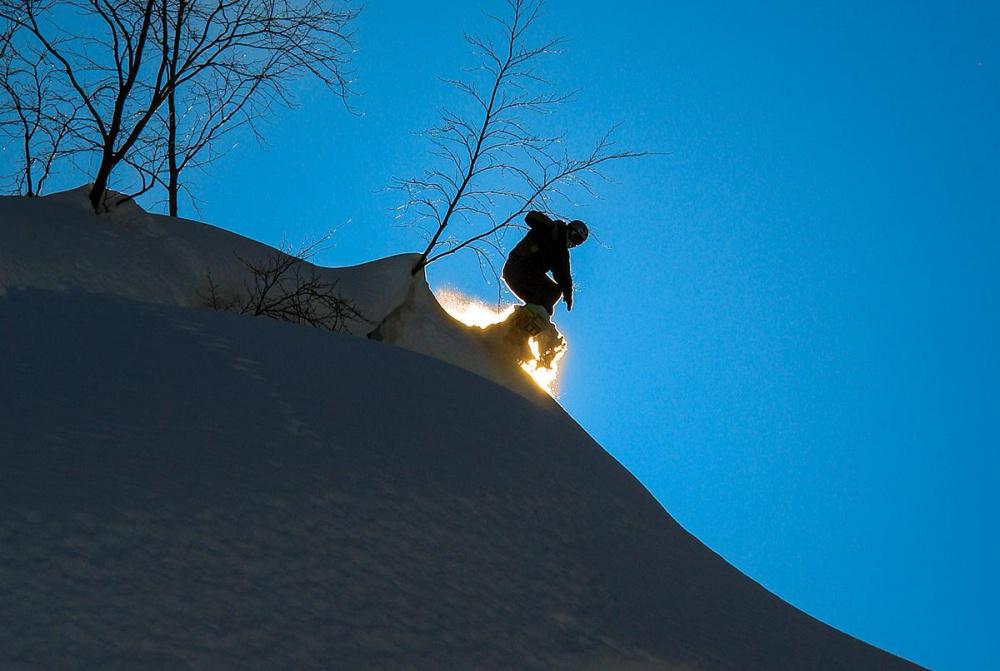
[[544, 250]]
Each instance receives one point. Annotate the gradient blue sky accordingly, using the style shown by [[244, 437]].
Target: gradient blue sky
[[788, 330]]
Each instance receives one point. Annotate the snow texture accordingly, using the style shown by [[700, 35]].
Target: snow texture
[[185, 488]]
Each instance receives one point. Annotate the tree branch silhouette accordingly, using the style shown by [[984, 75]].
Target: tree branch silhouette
[[490, 159]]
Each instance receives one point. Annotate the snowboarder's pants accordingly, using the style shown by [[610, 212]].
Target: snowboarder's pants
[[530, 285]]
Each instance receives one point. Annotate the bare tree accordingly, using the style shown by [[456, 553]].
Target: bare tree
[[494, 166], [209, 109], [146, 50], [294, 39], [286, 287], [34, 114]]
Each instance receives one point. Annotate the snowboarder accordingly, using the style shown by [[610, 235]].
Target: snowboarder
[[544, 249]]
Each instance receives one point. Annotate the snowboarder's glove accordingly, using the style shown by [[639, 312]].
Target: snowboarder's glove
[[569, 302]]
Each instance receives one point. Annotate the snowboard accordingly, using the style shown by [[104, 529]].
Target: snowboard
[[528, 323], [525, 326]]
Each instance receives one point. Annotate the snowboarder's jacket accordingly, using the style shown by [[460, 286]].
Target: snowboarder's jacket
[[543, 250]]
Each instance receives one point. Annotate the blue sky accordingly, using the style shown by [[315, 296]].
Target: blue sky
[[788, 328]]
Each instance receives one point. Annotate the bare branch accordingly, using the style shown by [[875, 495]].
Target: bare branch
[[285, 287], [228, 62], [495, 166], [35, 113]]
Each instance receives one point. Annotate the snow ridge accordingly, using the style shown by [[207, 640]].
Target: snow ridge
[[188, 488]]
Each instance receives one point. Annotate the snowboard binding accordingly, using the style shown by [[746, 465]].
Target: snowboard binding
[[531, 323], [531, 319]]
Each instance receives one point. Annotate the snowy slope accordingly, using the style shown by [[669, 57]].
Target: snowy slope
[[183, 488]]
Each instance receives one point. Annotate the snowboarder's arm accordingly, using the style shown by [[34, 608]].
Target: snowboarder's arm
[[564, 278]]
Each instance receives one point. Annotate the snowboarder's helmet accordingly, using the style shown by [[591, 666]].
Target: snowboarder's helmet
[[576, 233]]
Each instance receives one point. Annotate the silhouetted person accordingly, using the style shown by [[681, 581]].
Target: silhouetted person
[[543, 250]]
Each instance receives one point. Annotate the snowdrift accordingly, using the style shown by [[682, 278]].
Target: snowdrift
[[57, 243], [186, 488]]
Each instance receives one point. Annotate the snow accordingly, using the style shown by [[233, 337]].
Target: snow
[[187, 488], [57, 243]]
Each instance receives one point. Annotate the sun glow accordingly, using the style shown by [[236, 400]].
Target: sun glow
[[546, 378], [473, 312], [470, 311]]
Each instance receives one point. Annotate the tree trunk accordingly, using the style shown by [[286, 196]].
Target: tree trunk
[[172, 169], [100, 186], [29, 178]]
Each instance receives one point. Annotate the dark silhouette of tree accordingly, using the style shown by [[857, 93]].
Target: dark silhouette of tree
[[286, 40], [286, 287], [142, 54], [34, 115], [494, 167]]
